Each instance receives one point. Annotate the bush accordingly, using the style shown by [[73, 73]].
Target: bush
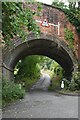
[[28, 82], [75, 82], [73, 86], [11, 91], [55, 83], [66, 83], [76, 77]]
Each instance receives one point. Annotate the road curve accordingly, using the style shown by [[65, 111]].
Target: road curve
[[43, 83]]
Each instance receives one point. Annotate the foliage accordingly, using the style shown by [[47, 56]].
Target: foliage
[[28, 67], [58, 69], [55, 83], [73, 86], [72, 12], [56, 77], [28, 70], [69, 36], [11, 91], [76, 78], [76, 75], [66, 83], [49, 64], [75, 82], [78, 66], [27, 82], [54, 70], [46, 63], [31, 65], [0, 89], [17, 21]]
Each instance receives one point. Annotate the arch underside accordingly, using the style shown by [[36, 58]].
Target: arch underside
[[42, 47], [45, 45]]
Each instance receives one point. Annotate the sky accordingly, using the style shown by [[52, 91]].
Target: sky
[[50, 1], [46, 1]]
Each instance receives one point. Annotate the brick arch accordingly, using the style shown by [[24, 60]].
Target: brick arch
[[56, 16], [47, 45]]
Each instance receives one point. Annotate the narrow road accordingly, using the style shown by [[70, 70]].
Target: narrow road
[[43, 83], [43, 104]]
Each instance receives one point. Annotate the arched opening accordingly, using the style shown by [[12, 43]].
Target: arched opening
[[46, 45], [38, 72]]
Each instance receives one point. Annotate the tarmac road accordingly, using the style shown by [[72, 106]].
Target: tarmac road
[[42, 83], [43, 104]]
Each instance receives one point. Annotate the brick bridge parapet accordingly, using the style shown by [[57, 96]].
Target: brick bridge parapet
[[57, 23], [52, 35]]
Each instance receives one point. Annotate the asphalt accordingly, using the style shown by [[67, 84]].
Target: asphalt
[[40, 103], [43, 83]]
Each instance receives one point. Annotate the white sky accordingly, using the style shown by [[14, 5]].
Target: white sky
[[46, 1], [50, 1]]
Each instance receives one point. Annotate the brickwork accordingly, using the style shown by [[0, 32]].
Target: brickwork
[[54, 15], [51, 42]]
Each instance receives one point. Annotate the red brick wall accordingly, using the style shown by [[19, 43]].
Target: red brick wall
[[54, 16]]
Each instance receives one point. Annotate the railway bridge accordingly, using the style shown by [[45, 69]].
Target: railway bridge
[[51, 42]]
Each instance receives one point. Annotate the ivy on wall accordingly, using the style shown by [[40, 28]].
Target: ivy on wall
[[18, 21], [69, 36], [71, 11]]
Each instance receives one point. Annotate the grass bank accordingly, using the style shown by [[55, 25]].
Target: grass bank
[[27, 82], [11, 92]]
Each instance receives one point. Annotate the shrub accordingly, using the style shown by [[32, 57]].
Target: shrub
[[76, 77], [55, 83], [69, 36], [66, 83], [11, 91], [28, 82], [73, 86], [75, 82]]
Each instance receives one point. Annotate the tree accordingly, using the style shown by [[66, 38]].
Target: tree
[[17, 21], [72, 12], [28, 67]]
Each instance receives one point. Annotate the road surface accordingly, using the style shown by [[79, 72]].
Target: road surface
[[43, 83], [43, 104]]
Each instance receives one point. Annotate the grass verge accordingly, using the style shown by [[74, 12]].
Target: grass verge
[[11, 92]]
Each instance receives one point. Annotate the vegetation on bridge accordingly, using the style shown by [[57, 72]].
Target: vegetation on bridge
[[14, 25], [72, 12], [70, 37], [17, 21]]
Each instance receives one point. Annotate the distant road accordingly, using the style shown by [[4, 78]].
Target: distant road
[[42, 83]]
